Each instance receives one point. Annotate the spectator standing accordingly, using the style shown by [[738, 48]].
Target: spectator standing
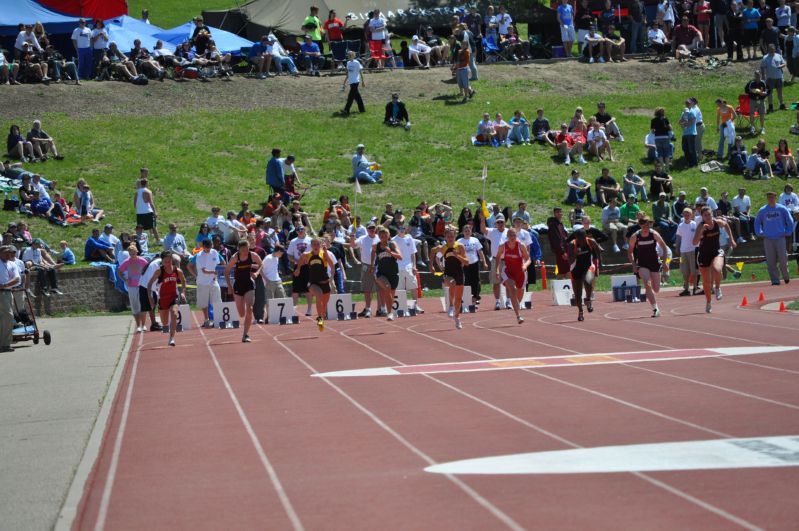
[[719, 9], [565, 14], [772, 66], [365, 244], [81, 41], [557, 242], [377, 34], [275, 178], [355, 80], [773, 223], [9, 278], [461, 68], [132, 270], [734, 35], [313, 26], [145, 205], [700, 126], [661, 128], [99, 42], [725, 126], [770, 35], [685, 245], [757, 90], [688, 124], [637, 26], [750, 17], [783, 15]]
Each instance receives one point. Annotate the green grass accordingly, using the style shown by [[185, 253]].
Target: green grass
[[793, 305], [171, 13], [198, 158]]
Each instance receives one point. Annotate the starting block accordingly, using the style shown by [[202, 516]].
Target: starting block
[[178, 328], [294, 319], [222, 325], [527, 300], [341, 305], [466, 300], [341, 316]]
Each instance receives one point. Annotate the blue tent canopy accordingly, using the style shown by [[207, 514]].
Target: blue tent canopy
[[124, 30], [225, 41], [12, 12]]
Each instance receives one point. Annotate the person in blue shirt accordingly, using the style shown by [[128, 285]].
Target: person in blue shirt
[[274, 173], [67, 256], [773, 225], [259, 57], [688, 124], [750, 26], [519, 128], [566, 21], [96, 250], [362, 168], [312, 56]]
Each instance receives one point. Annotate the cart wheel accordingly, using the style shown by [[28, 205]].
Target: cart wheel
[[36, 338], [46, 337]]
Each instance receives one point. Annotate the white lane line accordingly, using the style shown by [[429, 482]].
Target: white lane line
[[110, 477], [761, 366], [473, 494], [653, 481], [270, 470]]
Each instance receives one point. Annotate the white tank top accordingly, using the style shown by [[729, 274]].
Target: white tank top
[[142, 207]]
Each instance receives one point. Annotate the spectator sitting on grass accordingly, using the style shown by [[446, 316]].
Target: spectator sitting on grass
[[566, 145], [363, 170], [485, 130], [396, 112], [43, 141], [519, 128], [608, 122], [784, 162], [502, 129], [634, 185], [651, 147], [607, 187], [19, 148], [598, 143], [738, 156], [541, 130], [578, 189], [44, 207], [758, 165], [67, 256], [660, 181], [118, 63], [83, 203], [96, 250]]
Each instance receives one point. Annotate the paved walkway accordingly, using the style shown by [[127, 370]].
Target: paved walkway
[[50, 397]]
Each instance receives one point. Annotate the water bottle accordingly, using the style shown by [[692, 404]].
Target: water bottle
[[211, 312]]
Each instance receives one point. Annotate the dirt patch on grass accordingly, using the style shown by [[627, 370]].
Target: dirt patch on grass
[[636, 111], [240, 93]]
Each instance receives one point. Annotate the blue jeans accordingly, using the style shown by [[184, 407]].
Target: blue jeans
[[312, 62], [637, 191], [85, 63], [636, 33], [370, 177], [573, 195], [519, 134], [689, 149], [723, 139], [664, 147], [285, 62]]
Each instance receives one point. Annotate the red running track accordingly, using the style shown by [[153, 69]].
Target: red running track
[[215, 434]]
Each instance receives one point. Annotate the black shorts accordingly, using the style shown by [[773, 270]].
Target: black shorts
[[456, 275], [299, 284], [393, 280], [242, 288], [750, 37], [147, 221], [324, 286], [706, 259], [144, 299]]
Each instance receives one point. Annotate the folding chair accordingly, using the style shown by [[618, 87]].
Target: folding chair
[[742, 112], [493, 53]]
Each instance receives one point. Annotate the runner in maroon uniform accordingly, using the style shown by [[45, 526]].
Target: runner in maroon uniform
[[643, 254], [169, 275], [584, 257], [710, 256], [516, 259]]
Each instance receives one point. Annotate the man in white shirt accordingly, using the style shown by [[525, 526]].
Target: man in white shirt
[[44, 266], [299, 284], [504, 21], [208, 292], [789, 198], [407, 266], [365, 244], [706, 200], [279, 57], [495, 236], [232, 230], [214, 219], [270, 270], [418, 48], [9, 278], [685, 245], [26, 35], [741, 206], [81, 41]]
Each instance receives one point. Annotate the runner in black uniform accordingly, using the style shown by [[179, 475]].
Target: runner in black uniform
[[247, 267], [710, 256], [317, 261], [384, 258], [454, 259], [643, 254], [584, 255]]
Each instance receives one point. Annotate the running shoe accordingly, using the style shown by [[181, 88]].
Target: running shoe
[[308, 313], [321, 324], [520, 319], [57, 291], [155, 327], [580, 316], [366, 313], [708, 308], [245, 338], [171, 342], [684, 293], [718, 293], [390, 316], [655, 312], [451, 312], [589, 305], [496, 306], [381, 313], [419, 309], [458, 324], [508, 305]]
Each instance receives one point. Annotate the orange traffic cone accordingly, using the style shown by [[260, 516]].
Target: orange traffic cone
[[543, 276], [744, 302], [762, 297], [782, 307]]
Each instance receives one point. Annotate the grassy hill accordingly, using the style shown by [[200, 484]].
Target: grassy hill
[[171, 13], [207, 143]]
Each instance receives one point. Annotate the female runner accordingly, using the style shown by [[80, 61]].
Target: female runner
[[517, 260], [385, 257], [168, 275], [710, 256], [455, 259], [584, 255], [318, 260], [643, 254], [248, 267]]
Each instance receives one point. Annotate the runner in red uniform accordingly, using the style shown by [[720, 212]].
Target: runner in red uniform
[[516, 259], [169, 275]]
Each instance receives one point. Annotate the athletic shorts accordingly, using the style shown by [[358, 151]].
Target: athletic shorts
[[167, 303], [299, 284], [454, 279], [705, 260], [248, 297], [391, 280], [324, 287], [133, 297], [407, 281], [567, 35], [147, 221], [774, 84], [144, 299], [757, 106], [243, 288], [208, 294], [648, 275], [367, 279], [517, 277]]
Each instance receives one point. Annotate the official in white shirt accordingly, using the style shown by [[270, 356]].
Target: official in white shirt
[[82, 42], [9, 277], [208, 291], [407, 265]]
